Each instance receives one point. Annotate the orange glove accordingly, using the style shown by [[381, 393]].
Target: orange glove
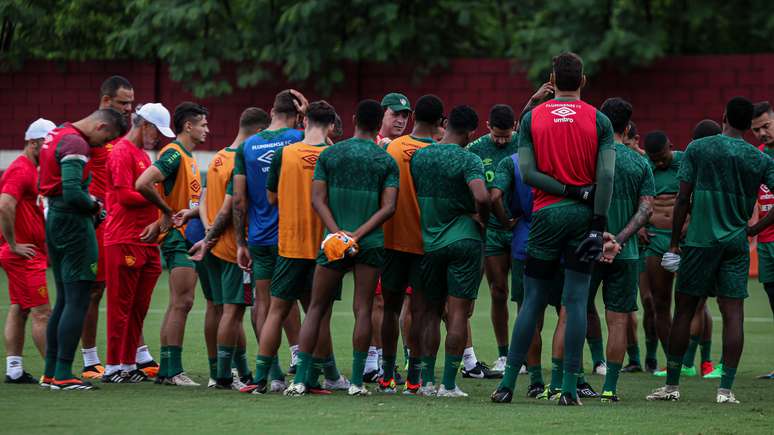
[[338, 245]]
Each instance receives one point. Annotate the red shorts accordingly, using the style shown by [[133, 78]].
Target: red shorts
[[26, 279], [100, 253]]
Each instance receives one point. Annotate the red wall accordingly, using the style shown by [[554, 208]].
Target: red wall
[[672, 94]]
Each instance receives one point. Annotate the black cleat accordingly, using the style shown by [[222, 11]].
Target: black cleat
[[25, 378], [224, 384], [586, 392], [371, 377], [609, 397], [566, 399], [651, 365], [632, 368], [398, 378], [117, 377], [135, 376], [292, 370], [254, 388], [502, 395], [480, 371], [160, 380], [534, 390]]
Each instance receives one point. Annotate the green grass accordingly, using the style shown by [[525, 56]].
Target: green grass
[[152, 409]]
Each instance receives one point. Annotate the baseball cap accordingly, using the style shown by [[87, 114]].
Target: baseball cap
[[158, 115], [396, 101], [39, 129]]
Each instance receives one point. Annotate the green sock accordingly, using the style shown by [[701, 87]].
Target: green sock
[[213, 365], [726, 381], [651, 349], [314, 373], [275, 373], [633, 350], [570, 384], [358, 365], [50, 368], [164, 362], [175, 360], [330, 370], [581, 375], [303, 365], [502, 351], [451, 366], [414, 370], [428, 369], [510, 375], [240, 362], [535, 374], [597, 350], [405, 353], [262, 367], [611, 378], [64, 370], [388, 365], [690, 354], [225, 355], [674, 364], [556, 373], [706, 350]]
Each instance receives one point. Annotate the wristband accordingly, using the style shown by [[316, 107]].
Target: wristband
[[598, 223]]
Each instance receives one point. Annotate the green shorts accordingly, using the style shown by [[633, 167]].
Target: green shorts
[[204, 281], [557, 227], [454, 270], [227, 283], [174, 249], [619, 285], [72, 246], [517, 285], [373, 257], [293, 278], [720, 270], [660, 239], [264, 260], [498, 242], [401, 270], [766, 262]]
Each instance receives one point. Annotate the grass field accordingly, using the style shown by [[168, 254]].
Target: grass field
[[151, 409]]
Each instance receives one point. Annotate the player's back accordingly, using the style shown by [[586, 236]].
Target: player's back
[[633, 179]]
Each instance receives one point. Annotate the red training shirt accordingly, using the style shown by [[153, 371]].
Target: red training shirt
[[765, 203], [63, 142], [20, 181]]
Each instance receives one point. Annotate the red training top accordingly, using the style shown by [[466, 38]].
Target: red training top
[[765, 203], [97, 167], [20, 181], [63, 142]]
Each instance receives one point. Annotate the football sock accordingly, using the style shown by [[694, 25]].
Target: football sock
[[275, 372], [302, 367], [225, 355], [389, 367], [14, 367], [405, 353], [414, 370], [90, 357], [451, 366], [727, 379], [428, 369], [535, 374], [213, 365], [557, 365], [597, 350], [64, 369], [330, 370], [690, 353], [164, 362], [576, 291], [78, 297], [293, 354], [143, 355], [502, 351], [706, 350], [651, 349], [570, 383], [52, 329], [469, 358], [112, 368], [379, 358], [262, 367], [633, 350], [358, 366], [674, 364], [372, 360], [315, 372], [611, 378], [128, 367], [240, 361], [175, 360]]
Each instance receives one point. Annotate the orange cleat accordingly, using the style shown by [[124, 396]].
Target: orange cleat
[[93, 372]]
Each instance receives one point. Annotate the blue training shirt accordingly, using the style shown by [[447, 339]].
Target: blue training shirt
[[521, 207]]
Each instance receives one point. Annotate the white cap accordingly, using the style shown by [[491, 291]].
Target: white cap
[[158, 115], [39, 129]]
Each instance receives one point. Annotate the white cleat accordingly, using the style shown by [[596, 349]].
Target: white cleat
[[427, 390], [341, 384], [211, 383], [523, 370], [600, 369], [456, 392], [278, 386], [354, 390], [665, 393], [182, 380], [498, 367], [236, 383], [726, 396], [295, 390]]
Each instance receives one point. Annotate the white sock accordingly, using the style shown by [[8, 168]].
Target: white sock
[[372, 362], [128, 367], [90, 357], [112, 368], [14, 367], [469, 358], [293, 354], [381, 358], [143, 355]]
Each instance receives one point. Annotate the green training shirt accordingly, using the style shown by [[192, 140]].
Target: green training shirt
[[504, 181], [633, 179], [441, 173], [491, 155], [666, 179], [726, 174], [356, 172]]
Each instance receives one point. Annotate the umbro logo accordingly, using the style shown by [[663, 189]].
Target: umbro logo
[[266, 157], [218, 162], [310, 159], [195, 186], [563, 112]]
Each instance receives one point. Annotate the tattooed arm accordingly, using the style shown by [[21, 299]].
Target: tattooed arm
[[640, 218]]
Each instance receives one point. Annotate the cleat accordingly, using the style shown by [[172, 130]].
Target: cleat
[[651, 365], [387, 387], [73, 384], [117, 377], [160, 380], [292, 370], [726, 396], [586, 392], [535, 390], [688, 371], [150, 368], [480, 371], [25, 378], [371, 377], [523, 370], [632, 368], [498, 367], [665, 393], [549, 394], [411, 389], [341, 384], [717, 373], [354, 390], [660, 373], [502, 395], [278, 386], [224, 384], [254, 388], [566, 399], [319, 391], [95, 371], [295, 390], [428, 390], [181, 380], [600, 369], [398, 378], [211, 383], [456, 392], [135, 376], [767, 376], [609, 397], [241, 382], [45, 381], [706, 368]]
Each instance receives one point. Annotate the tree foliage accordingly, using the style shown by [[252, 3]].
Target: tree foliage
[[313, 40]]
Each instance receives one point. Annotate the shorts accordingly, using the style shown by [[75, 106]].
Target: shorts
[[556, 228], [26, 279], [72, 246], [401, 270], [373, 257], [226, 282], [100, 232], [264, 260], [454, 270], [498, 242], [204, 279], [174, 249], [720, 270], [660, 239], [766, 262], [517, 285], [619, 281], [293, 279]]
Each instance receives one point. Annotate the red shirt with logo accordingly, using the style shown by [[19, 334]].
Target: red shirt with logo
[[97, 167], [20, 181], [63, 142], [765, 203]]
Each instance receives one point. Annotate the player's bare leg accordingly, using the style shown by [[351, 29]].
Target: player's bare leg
[[292, 327], [661, 289]]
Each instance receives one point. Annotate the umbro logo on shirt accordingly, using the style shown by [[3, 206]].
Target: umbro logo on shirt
[[310, 159], [266, 157], [563, 112]]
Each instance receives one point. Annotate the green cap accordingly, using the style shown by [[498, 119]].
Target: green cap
[[397, 102]]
